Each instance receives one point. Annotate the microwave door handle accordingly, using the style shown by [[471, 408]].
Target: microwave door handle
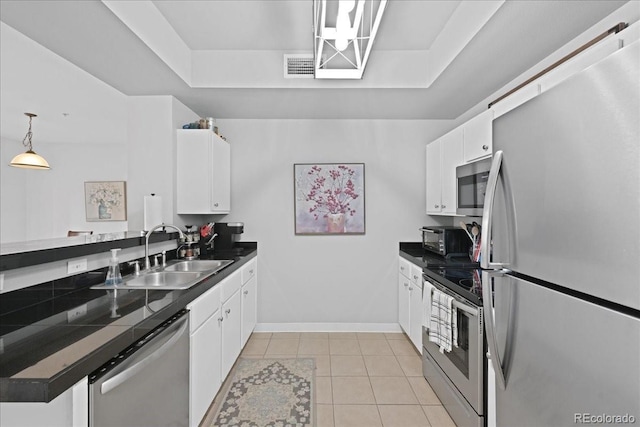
[[487, 214], [492, 343]]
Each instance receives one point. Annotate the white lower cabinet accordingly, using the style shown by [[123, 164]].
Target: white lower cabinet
[[415, 315], [71, 408], [249, 308], [205, 376], [218, 319], [231, 331], [410, 312], [404, 303]]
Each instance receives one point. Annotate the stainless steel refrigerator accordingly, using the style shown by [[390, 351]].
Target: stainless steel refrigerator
[[561, 251]]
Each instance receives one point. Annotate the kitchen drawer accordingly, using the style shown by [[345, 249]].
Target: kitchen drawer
[[230, 286], [404, 268], [249, 270], [203, 307]]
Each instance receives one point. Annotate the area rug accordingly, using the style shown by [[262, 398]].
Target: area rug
[[269, 393]]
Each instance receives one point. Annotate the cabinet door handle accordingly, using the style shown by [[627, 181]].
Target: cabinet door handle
[[406, 284], [410, 288], [215, 205], [444, 206], [246, 292], [485, 147], [228, 310], [415, 277], [436, 206], [251, 272]]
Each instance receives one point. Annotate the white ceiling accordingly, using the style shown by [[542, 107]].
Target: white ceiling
[[517, 36]]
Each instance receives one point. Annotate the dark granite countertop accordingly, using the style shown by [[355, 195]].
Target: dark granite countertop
[[413, 252], [45, 354]]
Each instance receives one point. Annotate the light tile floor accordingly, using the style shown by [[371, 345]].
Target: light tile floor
[[362, 379]]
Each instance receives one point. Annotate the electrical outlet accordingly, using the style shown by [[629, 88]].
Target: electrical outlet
[[76, 312], [77, 266]]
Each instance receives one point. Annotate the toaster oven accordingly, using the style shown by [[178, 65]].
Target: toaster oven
[[445, 240]]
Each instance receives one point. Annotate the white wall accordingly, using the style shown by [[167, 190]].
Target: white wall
[[322, 280], [86, 145], [106, 136]]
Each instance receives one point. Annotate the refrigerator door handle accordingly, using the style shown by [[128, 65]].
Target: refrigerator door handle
[[487, 214], [492, 343]]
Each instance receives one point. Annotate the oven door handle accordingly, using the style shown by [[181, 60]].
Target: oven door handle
[[489, 322], [459, 305]]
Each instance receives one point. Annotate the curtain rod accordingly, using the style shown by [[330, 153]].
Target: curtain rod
[[616, 29]]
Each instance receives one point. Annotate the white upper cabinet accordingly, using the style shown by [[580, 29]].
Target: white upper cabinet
[[478, 137], [434, 178], [443, 156], [203, 172]]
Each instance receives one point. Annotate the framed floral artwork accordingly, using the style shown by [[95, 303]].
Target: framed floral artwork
[[329, 198], [105, 200]]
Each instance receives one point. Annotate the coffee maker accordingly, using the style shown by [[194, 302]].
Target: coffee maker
[[227, 235]]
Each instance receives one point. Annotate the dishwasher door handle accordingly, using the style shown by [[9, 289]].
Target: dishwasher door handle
[[125, 375]]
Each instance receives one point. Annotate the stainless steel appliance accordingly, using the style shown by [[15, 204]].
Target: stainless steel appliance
[[458, 377], [445, 240], [562, 209], [472, 184], [148, 383]]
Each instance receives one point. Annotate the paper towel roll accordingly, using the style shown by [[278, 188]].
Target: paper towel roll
[[152, 211]]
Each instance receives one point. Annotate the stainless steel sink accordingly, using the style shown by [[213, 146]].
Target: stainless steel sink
[[209, 266], [164, 280], [176, 275]]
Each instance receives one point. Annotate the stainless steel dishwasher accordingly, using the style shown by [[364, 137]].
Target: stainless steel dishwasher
[[147, 384]]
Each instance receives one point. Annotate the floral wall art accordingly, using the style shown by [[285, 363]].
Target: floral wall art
[[105, 200], [329, 198]]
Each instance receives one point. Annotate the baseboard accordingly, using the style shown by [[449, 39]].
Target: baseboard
[[327, 327]]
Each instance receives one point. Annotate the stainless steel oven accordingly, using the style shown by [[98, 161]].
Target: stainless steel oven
[[458, 376]]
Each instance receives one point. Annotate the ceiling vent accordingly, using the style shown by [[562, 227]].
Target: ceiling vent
[[298, 66]]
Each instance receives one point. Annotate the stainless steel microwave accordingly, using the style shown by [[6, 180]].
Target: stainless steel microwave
[[472, 184]]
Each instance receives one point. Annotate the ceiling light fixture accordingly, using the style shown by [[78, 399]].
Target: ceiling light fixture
[[29, 159], [342, 46]]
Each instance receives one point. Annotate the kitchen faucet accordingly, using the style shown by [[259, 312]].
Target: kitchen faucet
[[210, 242], [147, 264]]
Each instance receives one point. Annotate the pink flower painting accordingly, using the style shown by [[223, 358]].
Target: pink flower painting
[[329, 198]]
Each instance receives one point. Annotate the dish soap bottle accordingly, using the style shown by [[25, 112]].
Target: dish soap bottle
[[114, 277]]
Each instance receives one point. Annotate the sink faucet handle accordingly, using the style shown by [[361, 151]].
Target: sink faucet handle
[[136, 267], [156, 260], [164, 258]]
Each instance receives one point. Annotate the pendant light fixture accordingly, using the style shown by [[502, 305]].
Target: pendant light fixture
[[29, 159]]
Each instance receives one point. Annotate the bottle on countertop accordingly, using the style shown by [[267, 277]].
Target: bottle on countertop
[[114, 277]]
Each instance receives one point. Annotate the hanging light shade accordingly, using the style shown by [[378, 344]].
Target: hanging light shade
[[29, 159]]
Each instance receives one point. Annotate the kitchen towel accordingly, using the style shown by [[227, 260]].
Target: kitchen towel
[[152, 211], [443, 321]]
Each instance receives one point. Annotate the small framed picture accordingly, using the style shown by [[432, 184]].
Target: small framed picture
[[105, 200], [329, 198]]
